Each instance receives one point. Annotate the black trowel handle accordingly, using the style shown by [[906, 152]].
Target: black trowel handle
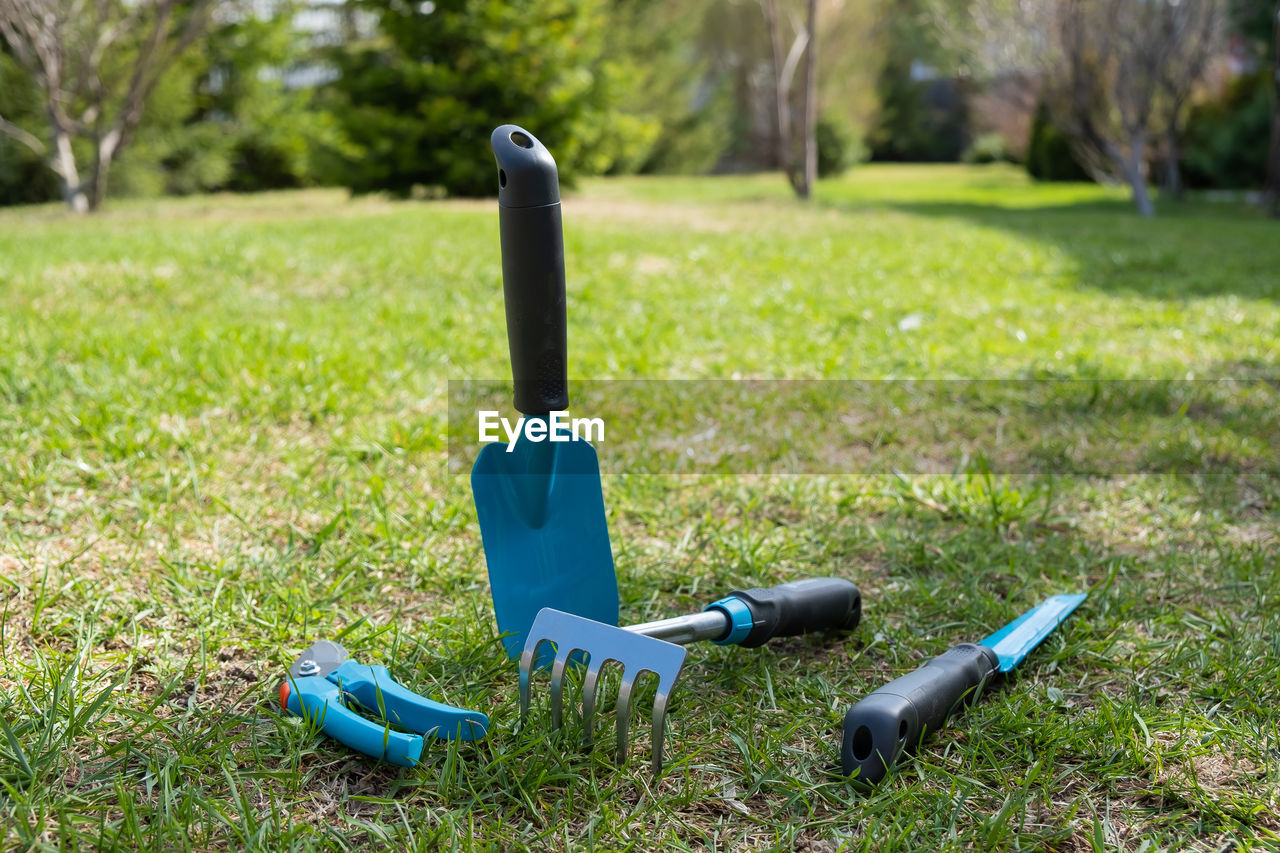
[[532, 269]]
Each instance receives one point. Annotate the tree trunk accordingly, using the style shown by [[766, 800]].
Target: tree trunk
[[809, 128], [781, 95], [63, 162], [1273, 157], [104, 155], [1132, 167], [1172, 171]]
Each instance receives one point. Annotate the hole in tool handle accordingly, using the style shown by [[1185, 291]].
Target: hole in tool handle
[[862, 743], [527, 175]]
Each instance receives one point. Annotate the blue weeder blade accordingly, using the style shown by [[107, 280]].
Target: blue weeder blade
[[1015, 641]]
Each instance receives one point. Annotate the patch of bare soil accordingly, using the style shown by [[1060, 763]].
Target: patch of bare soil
[[1211, 771]]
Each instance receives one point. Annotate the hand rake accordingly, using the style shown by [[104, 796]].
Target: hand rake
[[745, 618]]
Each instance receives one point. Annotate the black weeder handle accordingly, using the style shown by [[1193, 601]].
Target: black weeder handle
[[800, 607], [899, 715], [532, 269]]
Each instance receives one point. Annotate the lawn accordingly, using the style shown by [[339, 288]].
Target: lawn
[[224, 432]]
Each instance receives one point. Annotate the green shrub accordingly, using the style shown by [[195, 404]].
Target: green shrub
[[420, 103], [1226, 140], [198, 158], [24, 177], [987, 148], [838, 146], [1049, 154]]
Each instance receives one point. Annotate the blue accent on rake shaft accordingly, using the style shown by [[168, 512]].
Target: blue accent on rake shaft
[[1015, 641], [740, 619]]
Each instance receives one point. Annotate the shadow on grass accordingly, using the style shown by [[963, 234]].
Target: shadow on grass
[[1191, 250], [1041, 425]]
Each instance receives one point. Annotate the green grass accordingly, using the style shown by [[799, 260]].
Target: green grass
[[223, 433]]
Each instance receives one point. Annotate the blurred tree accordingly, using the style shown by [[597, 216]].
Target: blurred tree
[[797, 145], [95, 67], [923, 115], [1050, 156], [1224, 143], [421, 98], [258, 90], [750, 66], [24, 176], [809, 118], [667, 84], [1115, 72], [1121, 59], [1191, 35], [1226, 139], [1273, 157], [736, 43], [234, 112]]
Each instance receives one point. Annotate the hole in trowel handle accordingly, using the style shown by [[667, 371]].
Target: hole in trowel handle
[[862, 743], [521, 139]]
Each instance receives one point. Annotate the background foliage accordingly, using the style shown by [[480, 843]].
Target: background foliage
[[420, 101], [384, 95]]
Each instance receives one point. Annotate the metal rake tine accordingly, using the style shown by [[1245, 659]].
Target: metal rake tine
[[659, 727], [557, 685], [624, 715], [589, 683], [526, 670]]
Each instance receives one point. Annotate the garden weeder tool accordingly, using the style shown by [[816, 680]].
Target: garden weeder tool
[[746, 618], [539, 503], [895, 718], [324, 678]]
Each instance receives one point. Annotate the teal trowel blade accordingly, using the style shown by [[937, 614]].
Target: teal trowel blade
[[546, 538], [1014, 641]]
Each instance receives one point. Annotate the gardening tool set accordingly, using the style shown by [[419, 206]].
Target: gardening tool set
[[542, 520]]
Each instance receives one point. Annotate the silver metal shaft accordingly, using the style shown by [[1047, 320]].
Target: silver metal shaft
[[682, 630]]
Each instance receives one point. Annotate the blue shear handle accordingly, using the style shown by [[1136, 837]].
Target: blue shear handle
[[373, 687], [314, 698]]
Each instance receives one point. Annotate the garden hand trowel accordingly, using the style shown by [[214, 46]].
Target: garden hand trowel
[[538, 501]]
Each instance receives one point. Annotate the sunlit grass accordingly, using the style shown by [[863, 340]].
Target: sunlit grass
[[223, 434]]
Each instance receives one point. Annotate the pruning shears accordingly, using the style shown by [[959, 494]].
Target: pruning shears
[[324, 679]]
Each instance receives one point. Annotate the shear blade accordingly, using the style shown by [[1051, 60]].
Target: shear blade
[[320, 658]]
